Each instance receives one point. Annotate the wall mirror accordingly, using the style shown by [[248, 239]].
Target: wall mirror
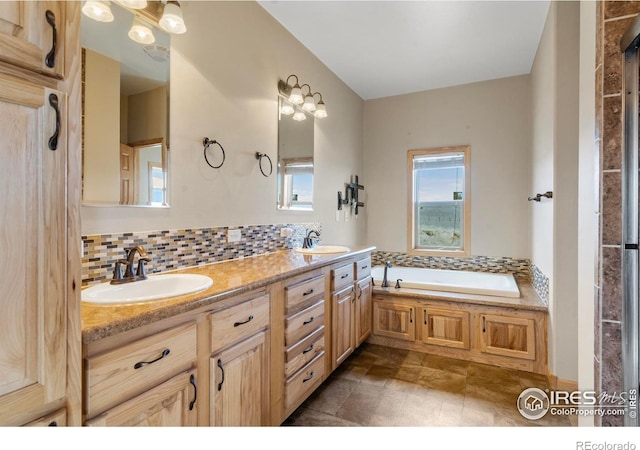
[[295, 158], [125, 157]]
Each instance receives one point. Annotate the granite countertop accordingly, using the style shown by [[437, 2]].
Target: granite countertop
[[528, 299], [229, 278]]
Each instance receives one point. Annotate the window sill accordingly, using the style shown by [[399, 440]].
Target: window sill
[[447, 253]]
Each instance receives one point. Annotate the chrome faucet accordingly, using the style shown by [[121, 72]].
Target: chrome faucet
[[385, 282], [129, 276], [307, 242]]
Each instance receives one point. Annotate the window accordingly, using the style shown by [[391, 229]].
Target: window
[[297, 184], [439, 206]]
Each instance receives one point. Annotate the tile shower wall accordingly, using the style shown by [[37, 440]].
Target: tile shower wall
[[613, 18], [174, 249]]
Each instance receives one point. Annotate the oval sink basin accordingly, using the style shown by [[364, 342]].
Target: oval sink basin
[[153, 288], [323, 250]]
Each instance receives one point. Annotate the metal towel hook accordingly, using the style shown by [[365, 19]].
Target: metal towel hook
[[537, 198], [207, 142], [259, 157]]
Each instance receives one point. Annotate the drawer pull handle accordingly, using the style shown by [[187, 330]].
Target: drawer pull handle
[[364, 267], [411, 315], [53, 424], [237, 324], [307, 322], [140, 364], [50, 59], [222, 369], [53, 140], [484, 324], [192, 381], [424, 311], [307, 350], [304, 380], [344, 276], [309, 292]]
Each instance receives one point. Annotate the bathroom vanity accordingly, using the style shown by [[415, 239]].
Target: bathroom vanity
[[246, 351]]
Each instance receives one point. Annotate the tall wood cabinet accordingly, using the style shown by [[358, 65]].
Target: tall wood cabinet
[[39, 237]]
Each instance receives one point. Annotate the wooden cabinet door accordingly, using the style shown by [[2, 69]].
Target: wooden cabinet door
[[33, 358], [364, 310], [170, 404], [343, 325], [507, 336], [32, 35], [239, 383], [394, 320], [444, 327]]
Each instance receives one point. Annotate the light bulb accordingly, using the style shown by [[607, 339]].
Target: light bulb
[[141, 33], [309, 104], [98, 10], [299, 116], [172, 20], [321, 110], [134, 4]]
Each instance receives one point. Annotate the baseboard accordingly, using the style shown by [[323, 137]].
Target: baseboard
[[560, 384]]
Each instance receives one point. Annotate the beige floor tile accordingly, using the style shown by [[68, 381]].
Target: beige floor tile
[[333, 396], [311, 418], [477, 370], [442, 380], [360, 405], [456, 366], [378, 375]]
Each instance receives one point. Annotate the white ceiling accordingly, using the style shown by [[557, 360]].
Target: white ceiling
[[383, 48]]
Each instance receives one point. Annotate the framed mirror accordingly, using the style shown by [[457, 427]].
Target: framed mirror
[[125, 105], [295, 157]]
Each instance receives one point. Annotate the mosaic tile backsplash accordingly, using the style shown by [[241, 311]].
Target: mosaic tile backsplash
[[518, 266], [540, 283], [174, 249]]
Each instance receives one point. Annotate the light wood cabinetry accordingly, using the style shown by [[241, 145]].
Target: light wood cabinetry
[[239, 369], [343, 327], [503, 336], [170, 404], [394, 320], [40, 339], [364, 300], [55, 419]]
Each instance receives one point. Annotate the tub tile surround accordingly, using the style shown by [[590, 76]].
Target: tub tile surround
[[613, 18], [175, 249], [540, 283]]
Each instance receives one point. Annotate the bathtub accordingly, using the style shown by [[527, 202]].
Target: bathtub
[[483, 283]]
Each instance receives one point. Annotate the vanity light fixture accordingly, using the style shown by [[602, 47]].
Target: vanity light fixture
[[98, 10], [172, 20], [140, 32], [293, 93], [299, 116]]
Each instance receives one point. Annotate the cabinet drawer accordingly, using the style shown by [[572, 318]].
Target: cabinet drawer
[[341, 277], [299, 386], [120, 374], [299, 293], [238, 322], [304, 351], [303, 323], [363, 268]]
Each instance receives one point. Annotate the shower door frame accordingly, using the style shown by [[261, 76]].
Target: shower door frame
[[630, 211]]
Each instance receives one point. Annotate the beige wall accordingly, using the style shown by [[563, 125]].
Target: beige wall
[[102, 118], [224, 75], [554, 224], [147, 115], [493, 118]]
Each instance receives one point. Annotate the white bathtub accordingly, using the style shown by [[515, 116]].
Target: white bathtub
[[483, 283]]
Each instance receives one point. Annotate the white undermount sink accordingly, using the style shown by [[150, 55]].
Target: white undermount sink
[[153, 288], [323, 249]]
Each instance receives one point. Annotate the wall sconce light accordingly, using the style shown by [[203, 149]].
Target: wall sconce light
[[299, 116], [307, 102], [98, 10], [172, 20], [133, 4]]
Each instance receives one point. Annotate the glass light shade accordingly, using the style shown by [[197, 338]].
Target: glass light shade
[[172, 21], [299, 116], [287, 110], [98, 10], [309, 104], [141, 33], [296, 95], [321, 110], [134, 4]]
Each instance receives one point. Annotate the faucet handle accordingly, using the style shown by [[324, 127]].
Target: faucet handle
[[117, 269], [140, 272]]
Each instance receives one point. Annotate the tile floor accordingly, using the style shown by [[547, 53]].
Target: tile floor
[[381, 386]]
